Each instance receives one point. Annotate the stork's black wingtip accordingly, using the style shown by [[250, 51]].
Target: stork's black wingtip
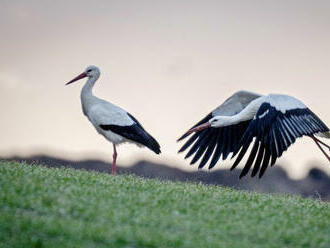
[[183, 137], [182, 149], [192, 162], [156, 149], [242, 175]]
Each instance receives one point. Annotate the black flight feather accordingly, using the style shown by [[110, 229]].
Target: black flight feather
[[134, 132], [276, 131]]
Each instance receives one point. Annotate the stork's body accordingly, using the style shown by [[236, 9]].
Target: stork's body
[[274, 122], [111, 121]]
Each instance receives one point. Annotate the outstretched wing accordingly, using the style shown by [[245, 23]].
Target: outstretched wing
[[279, 121], [218, 141]]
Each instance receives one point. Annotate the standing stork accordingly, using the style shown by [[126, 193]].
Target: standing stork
[[274, 122], [111, 121]]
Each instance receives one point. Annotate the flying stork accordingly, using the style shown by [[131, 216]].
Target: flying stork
[[273, 122], [111, 121]]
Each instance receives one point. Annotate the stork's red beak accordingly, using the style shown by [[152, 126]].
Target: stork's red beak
[[82, 75], [199, 128]]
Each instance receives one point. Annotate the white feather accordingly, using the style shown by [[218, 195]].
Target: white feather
[[281, 103], [284, 103], [105, 113]]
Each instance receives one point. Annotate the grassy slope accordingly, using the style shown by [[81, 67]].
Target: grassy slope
[[41, 207]]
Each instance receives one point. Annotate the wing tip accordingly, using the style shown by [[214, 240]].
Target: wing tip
[[185, 135], [155, 147], [155, 150]]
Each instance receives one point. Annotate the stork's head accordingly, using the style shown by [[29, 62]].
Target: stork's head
[[217, 121], [91, 72]]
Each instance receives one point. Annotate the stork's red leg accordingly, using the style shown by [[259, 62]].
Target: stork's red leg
[[114, 160], [316, 141]]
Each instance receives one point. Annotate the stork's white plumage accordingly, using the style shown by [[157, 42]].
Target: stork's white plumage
[[274, 122], [111, 121]]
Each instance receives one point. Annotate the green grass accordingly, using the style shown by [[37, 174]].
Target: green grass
[[42, 207]]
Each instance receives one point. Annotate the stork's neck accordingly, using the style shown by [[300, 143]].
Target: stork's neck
[[87, 90], [87, 93], [246, 114]]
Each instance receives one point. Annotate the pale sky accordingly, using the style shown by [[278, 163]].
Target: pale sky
[[169, 63]]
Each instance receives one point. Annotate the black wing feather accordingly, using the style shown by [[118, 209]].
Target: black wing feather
[[218, 150], [135, 133], [202, 147], [216, 141], [197, 144], [276, 131], [210, 149], [205, 119], [250, 159], [242, 152], [258, 160], [189, 142]]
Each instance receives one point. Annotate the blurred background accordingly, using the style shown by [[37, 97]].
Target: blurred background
[[169, 63]]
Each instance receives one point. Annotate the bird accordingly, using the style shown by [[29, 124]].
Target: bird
[[271, 122], [112, 122]]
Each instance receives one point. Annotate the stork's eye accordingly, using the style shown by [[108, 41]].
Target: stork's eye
[[89, 70]]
